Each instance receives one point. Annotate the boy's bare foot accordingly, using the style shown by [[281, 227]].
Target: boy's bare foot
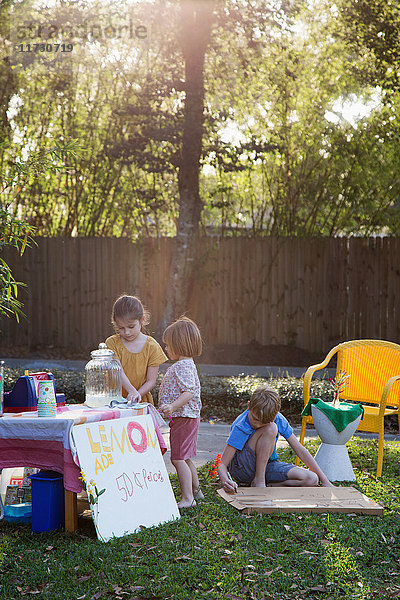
[[198, 494], [186, 503]]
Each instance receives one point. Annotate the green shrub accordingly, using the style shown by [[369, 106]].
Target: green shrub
[[71, 383], [223, 398], [226, 397]]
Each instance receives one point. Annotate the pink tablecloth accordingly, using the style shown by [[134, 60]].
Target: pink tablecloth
[[29, 441]]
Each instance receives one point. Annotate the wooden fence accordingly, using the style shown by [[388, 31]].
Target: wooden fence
[[312, 293]]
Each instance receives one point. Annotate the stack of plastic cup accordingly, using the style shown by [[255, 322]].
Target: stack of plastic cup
[[47, 404]]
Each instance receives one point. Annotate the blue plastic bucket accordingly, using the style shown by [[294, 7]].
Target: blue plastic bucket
[[47, 501]]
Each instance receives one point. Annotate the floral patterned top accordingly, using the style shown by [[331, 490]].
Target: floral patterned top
[[181, 377]]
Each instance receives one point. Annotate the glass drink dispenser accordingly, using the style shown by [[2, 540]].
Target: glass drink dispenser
[[103, 378]]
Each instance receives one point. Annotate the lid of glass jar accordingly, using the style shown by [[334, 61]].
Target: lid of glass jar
[[102, 352]]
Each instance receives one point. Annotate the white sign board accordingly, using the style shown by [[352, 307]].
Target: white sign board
[[124, 475]]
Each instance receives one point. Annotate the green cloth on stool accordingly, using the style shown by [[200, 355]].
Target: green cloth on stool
[[340, 417]]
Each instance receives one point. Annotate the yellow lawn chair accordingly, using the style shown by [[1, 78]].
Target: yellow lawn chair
[[373, 367]]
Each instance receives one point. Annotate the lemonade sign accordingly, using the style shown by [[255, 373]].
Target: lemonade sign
[[124, 475]]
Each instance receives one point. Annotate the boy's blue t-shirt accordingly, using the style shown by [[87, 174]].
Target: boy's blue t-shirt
[[241, 430]]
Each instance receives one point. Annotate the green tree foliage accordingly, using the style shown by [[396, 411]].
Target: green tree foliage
[[118, 99], [371, 30], [294, 171], [273, 73], [15, 232]]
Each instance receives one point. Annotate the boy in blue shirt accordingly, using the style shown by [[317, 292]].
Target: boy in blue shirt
[[250, 454]]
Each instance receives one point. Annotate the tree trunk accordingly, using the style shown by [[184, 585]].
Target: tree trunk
[[196, 23]]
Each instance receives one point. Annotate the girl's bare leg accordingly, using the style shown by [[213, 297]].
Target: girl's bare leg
[[186, 483], [197, 493]]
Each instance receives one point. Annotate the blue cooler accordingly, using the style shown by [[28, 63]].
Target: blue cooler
[[18, 513], [47, 501]]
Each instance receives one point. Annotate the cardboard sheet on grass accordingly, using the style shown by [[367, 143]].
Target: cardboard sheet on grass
[[124, 475], [301, 500]]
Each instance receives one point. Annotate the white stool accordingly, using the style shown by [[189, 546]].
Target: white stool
[[332, 455]]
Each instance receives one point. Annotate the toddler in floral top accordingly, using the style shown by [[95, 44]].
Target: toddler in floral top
[[179, 399]]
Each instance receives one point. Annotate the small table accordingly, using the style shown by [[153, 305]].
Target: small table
[[27, 440], [335, 426]]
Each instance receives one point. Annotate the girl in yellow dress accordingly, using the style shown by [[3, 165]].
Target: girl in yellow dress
[[140, 355]]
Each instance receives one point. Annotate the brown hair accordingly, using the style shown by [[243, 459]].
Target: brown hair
[[183, 337], [265, 404], [129, 307]]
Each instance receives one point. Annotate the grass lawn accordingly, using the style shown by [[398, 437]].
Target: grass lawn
[[215, 552]]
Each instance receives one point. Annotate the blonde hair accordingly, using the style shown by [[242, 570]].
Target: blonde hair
[[183, 338], [129, 307], [265, 404]]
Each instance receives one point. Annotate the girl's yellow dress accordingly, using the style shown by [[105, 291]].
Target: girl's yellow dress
[[135, 364]]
